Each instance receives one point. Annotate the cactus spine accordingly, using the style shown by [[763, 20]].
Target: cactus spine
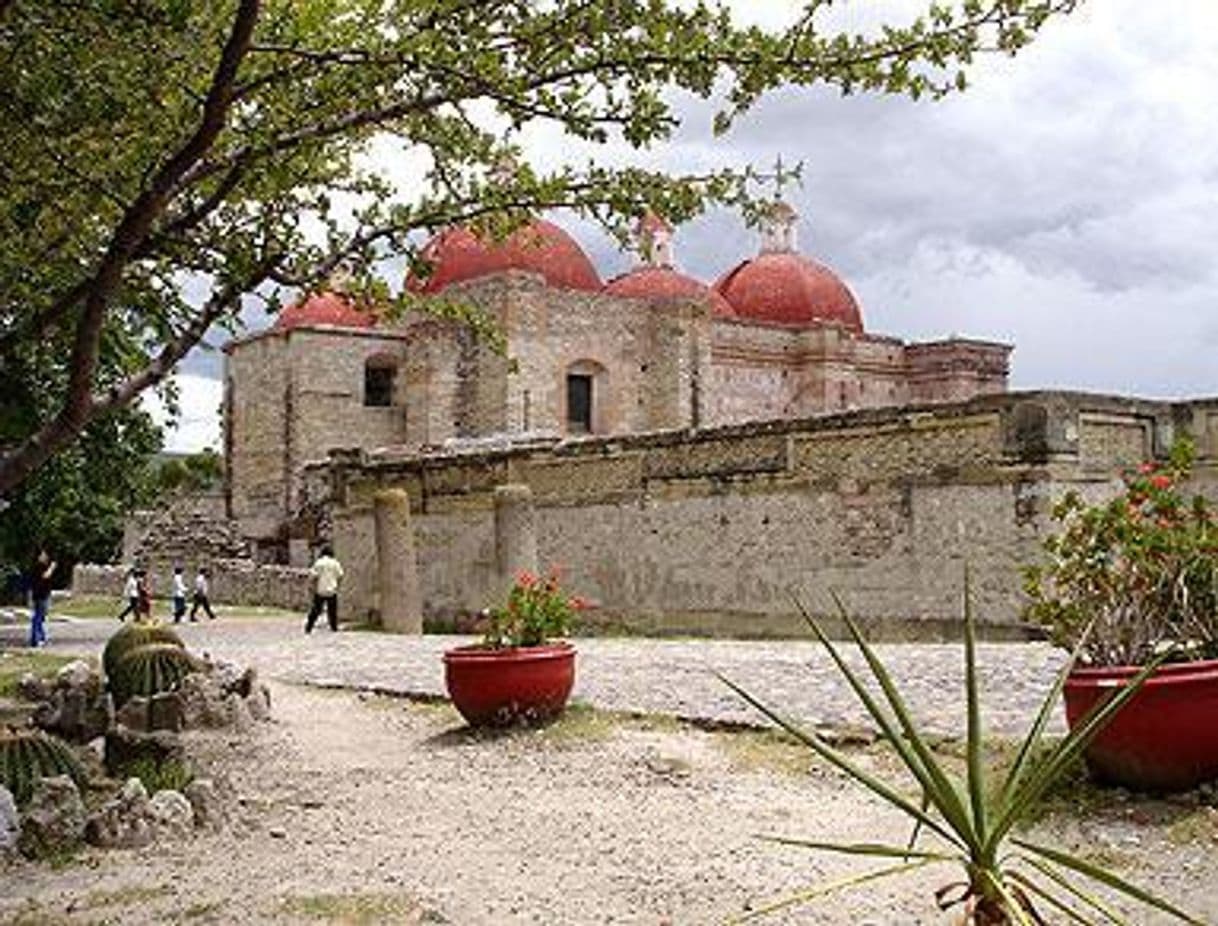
[[27, 755], [131, 636], [150, 669]]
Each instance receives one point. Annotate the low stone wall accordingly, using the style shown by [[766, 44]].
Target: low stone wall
[[709, 531], [233, 581]]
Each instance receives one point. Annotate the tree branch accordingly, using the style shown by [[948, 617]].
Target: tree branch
[[135, 225]]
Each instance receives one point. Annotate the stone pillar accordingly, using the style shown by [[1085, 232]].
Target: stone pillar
[[397, 579], [515, 532]]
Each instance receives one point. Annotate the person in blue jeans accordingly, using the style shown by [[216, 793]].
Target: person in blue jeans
[[41, 574]]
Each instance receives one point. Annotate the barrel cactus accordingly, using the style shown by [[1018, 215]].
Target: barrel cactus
[[27, 755], [131, 636], [150, 669]]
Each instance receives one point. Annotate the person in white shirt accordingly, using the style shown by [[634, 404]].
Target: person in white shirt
[[179, 595], [201, 600], [131, 591], [327, 574]]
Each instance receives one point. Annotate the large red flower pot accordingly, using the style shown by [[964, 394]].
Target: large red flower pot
[[1165, 738], [520, 684]]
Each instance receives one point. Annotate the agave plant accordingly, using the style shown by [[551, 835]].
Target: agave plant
[[1009, 880], [150, 669], [134, 635], [27, 755]]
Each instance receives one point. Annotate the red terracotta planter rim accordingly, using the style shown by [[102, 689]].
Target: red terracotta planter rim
[[480, 652], [1092, 674]]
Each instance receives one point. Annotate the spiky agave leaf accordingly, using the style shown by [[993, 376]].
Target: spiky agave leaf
[[27, 755], [974, 827]]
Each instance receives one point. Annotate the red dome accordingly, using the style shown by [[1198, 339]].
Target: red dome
[[789, 289], [323, 309], [666, 283], [542, 247]]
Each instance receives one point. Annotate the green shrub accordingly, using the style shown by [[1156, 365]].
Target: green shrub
[[1140, 570]]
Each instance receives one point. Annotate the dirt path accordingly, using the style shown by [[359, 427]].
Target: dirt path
[[361, 809]]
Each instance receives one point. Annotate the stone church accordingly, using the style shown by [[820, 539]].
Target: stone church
[[778, 336], [688, 453]]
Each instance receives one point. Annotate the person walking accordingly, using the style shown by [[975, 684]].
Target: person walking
[[131, 591], [327, 574], [41, 574], [201, 600], [143, 597], [179, 595]]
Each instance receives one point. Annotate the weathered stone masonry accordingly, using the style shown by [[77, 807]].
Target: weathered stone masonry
[[709, 531]]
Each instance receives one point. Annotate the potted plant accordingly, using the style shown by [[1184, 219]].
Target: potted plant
[[1125, 581], [516, 674]]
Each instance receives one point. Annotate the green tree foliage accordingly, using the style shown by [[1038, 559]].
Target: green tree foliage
[[76, 502], [163, 159], [191, 473]]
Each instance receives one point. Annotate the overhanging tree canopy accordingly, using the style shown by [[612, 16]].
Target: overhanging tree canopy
[[156, 149]]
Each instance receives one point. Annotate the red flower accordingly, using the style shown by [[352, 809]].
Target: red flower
[[1161, 481], [526, 579], [1147, 468]]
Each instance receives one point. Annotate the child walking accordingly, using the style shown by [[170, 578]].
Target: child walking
[[131, 591], [201, 599], [179, 595]]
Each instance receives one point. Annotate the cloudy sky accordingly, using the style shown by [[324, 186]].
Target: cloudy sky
[[1067, 203]]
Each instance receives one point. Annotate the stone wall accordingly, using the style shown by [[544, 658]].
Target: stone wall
[[710, 531], [233, 581]]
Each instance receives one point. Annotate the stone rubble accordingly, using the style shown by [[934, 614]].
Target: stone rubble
[[208, 807], [10, 823], [54, 820], [74, 707]]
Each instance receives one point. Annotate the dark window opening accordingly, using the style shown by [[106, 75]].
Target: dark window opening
[[378, 386], [579, 403]]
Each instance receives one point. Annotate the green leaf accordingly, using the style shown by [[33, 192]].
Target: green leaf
[[1066, 751], [941, 790], [1107, 878], [830, 888], [1029, 885], [976, 764], [1067, 885], [841, 761], [862, 848]]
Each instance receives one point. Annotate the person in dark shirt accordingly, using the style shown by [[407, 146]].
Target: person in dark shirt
[[41, 574]]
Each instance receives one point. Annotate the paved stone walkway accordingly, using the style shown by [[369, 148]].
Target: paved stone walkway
[[675, 677]]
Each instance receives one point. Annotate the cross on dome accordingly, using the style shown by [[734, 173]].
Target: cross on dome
[[778, 218]]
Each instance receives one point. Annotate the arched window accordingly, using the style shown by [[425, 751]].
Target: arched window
[[379, 374], [584, 397]]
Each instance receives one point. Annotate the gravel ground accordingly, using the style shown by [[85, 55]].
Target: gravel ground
[[358, 808], [675, 677]]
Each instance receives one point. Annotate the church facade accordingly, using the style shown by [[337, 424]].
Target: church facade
[[779, 336]]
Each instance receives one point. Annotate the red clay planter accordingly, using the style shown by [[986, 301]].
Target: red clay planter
[[1165, 738], [520, 684]]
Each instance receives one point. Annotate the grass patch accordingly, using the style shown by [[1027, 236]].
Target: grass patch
[[765, 751], [96, 607], [199, 910], [355, 909], [124, 896], [580, 723], [1198, 827], [169, 775], [16, 663]]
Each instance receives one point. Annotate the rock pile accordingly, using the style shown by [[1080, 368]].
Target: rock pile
[[146, 733], [74, 707]]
